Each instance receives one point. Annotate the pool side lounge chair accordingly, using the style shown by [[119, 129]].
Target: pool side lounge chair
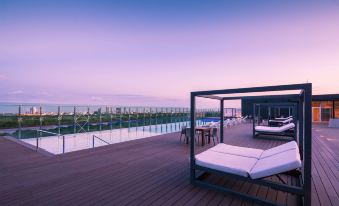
[[285, 130], [283, 118], [244, 119], [279, 122], [227, 123]]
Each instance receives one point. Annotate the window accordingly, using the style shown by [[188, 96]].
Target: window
[[322, 110], [336, 109], [326, 104], [315, 104]]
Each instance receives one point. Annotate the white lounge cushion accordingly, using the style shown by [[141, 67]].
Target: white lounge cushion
[[283, 121], [276, 163], [279, 149], [250, 162], [235, 150], [283, 118], [232, 164], [274, 129]]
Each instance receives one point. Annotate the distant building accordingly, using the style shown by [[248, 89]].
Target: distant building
[[33, 110], [118, 110]]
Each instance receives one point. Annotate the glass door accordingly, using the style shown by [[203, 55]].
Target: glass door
[[326, 114], [316, 114]]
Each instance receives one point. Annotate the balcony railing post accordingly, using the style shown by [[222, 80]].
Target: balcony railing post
[[111, 118], [88, 116], [100, 120], [129, 119], [40, 117], [156, 119], [74, 120], [37, 143], [176, 118], [63, 144], [59, 120], [120, 122], [144, 119], [150, 119], [19, 122]]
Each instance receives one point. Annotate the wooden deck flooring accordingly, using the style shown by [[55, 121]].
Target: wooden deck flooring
[[151, 171]]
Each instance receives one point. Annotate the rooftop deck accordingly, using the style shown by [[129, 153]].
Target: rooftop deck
[[151, 171]]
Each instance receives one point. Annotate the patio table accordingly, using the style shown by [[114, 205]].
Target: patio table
[[203, 130]]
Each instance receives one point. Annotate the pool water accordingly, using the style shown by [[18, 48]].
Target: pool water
[[80, 141]]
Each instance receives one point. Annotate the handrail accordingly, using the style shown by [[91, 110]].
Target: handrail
[[47, 132], [53, 133], [99, 139]]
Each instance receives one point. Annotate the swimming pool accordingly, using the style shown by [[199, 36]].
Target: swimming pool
[[79, 141]]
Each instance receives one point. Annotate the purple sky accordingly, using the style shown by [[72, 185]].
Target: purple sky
[[155, 53]]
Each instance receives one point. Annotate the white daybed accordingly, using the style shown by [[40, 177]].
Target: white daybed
[[250, 162]]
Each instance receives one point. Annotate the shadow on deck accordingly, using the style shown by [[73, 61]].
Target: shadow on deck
[[151, 171]]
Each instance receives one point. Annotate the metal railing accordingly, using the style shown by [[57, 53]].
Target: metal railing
[[52, 133], [94, 136]]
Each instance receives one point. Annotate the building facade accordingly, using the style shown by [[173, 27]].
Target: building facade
[[324, 107]]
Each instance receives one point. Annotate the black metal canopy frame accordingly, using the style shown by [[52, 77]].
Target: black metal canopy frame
[[304, 141], [292, 106]]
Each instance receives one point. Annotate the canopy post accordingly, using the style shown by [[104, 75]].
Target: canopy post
[[192, 153], [221, 121], [254, 115], [301, 127], [307, 143]]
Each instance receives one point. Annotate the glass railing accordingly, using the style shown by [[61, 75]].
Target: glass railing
[[23, 121], [60, 129]]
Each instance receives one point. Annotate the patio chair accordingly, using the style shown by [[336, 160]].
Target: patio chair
[[188, 135], [234, 122], [183, 132], [214, 134], [244, 119]]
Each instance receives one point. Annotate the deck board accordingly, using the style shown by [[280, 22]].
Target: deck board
[[150, 171]]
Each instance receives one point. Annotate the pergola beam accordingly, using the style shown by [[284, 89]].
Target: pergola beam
[[251, 89], [210, 97]]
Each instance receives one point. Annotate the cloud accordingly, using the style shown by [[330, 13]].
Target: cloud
[[3, 77], [16, 92], [96, 98]]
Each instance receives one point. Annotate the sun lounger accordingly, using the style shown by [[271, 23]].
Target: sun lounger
[[279, 122], [227, 123], [244, 119], [250, 162], [283, 118], [274, 129], [285, 130]]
